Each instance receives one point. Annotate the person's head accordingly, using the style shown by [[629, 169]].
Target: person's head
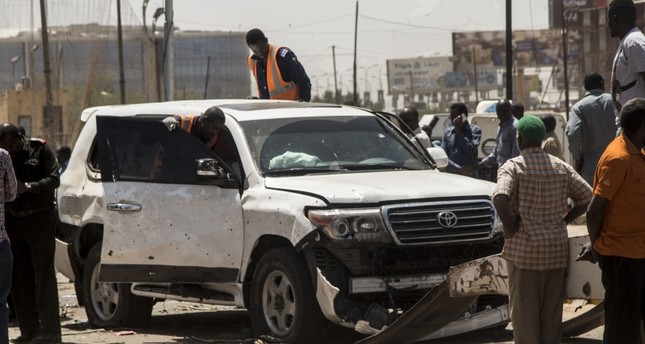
[[63, 153], [632, 120], [410, 117], [11, 139], [517, 109], [457, 109], [530, 132], [211, 121], [549, 123], [594, 81], [621, 17], [258, 43], [503, 110]]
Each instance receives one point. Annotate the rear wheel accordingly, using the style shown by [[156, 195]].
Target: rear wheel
[[283, 303], [111, 304]]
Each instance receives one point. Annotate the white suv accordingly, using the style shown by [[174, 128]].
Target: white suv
[[303, 213]]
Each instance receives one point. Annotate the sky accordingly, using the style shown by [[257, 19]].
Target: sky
[[387, 29]]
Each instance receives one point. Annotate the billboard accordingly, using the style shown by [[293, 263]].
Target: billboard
[[571, 8], [426, 75], [530, 48]]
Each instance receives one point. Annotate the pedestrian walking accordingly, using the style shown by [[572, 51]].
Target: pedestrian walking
[[591, 126], [8, 189], [531, 200], [551, 143], [615, 223], [30, 224], [277, 71]]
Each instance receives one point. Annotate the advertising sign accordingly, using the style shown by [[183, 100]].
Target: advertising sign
[[571, 8]]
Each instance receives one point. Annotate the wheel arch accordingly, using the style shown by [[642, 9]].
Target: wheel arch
[[264, 244]]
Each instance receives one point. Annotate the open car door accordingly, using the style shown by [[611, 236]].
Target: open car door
[[172, 209]]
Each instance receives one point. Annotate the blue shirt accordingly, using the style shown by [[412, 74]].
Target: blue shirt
[[506, 146], [461, 146]]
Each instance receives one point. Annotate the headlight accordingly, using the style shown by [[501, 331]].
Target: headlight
[[356, 224]]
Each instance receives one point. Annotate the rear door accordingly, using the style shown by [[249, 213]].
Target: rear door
[[163, 223]]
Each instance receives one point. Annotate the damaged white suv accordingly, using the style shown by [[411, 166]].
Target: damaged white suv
[[305, 214]]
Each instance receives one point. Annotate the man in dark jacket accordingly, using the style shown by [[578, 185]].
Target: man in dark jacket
[[31, 225]]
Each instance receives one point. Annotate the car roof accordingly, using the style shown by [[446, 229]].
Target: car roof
[[239, 109]]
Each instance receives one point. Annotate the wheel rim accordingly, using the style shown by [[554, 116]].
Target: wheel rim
[[278, 303], [104, 297]]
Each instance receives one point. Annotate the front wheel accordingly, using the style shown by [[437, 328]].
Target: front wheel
[[111, 304], [283, 303]]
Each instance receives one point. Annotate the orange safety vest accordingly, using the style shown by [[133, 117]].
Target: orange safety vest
[[278, 88], [186, 123]]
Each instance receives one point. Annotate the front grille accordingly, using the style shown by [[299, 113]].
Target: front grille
[[418, 223]]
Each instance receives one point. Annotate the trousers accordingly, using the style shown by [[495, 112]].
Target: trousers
[[34, 289], [6, 263]]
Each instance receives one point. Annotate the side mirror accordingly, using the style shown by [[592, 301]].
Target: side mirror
[[209, 169], [439, 156]]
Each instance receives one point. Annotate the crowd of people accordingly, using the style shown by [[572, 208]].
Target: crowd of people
[[537, 193]]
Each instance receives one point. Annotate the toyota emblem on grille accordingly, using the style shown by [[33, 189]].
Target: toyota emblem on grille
[[447, 219]]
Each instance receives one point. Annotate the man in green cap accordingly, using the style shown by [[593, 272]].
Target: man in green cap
[[531, 201]]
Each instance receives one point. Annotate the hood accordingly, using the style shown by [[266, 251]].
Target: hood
[[383, 186]]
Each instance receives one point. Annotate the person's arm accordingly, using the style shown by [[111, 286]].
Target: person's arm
[[452, 166], [501, 199], [292, 70], [50, 169], [574, 133], [580, 193], [595, 216], [9, 181], [491, 159], [515, 151]]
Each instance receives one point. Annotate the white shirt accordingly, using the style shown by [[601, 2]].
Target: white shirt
[[629, 61]]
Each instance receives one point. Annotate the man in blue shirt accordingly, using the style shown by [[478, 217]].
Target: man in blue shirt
[[506, 146], [460, 141]]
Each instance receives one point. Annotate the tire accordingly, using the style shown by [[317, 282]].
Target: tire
[[283, 303], [111, 304]]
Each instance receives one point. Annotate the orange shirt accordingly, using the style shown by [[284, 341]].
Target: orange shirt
[[620, 178]]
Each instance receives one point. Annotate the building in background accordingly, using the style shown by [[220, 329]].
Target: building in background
[[85, 69]]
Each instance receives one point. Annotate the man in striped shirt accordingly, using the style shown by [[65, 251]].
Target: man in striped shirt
[[8, 189], [531, 201]]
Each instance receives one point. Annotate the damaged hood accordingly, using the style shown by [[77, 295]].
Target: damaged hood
[[382, 186]]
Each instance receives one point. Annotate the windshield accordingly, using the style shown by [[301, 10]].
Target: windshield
[[291, 146]]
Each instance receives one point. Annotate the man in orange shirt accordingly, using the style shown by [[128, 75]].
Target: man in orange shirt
[[616, 225]]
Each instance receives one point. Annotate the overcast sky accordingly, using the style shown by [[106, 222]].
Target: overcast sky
[[387, 29]]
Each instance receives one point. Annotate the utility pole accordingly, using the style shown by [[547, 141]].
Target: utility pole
[[476, 77], [564, 59], [121, 68], [208, 72], [509, 51], [336, 95], [169, 52], [52, 124], [355, 44]]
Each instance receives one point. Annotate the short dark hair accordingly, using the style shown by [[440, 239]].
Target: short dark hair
[[461, 107], [515, 107], [254, 36], [549, 123], [623, 8], [8, 130], [214, 114], [594, 81], [63, 153], [632, 115]]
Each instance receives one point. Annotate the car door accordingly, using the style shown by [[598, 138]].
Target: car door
[[164, 221]]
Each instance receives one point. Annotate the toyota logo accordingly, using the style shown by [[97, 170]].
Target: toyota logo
[[447, 219]]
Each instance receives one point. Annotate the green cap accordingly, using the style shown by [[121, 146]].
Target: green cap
[[531, 128]]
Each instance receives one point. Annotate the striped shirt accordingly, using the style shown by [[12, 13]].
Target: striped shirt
[[8, 188], [538, 186]]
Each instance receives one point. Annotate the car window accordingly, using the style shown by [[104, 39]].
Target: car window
[[330, 143], [144, 150]]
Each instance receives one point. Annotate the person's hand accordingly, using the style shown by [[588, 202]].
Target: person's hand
[[467, 170], [458, 122], [171, 123], [587, 253], [22, 188]]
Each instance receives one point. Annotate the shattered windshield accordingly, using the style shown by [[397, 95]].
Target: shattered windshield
[[296, 146]]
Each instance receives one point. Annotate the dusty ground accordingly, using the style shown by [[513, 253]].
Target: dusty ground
[[178, 322]]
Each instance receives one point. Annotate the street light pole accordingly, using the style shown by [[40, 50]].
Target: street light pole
[[509, 51]]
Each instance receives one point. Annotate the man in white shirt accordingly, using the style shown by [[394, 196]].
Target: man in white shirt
[[410, 117], [628, 68]]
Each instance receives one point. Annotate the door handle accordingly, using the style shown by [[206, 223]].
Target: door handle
[[123, 207]]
